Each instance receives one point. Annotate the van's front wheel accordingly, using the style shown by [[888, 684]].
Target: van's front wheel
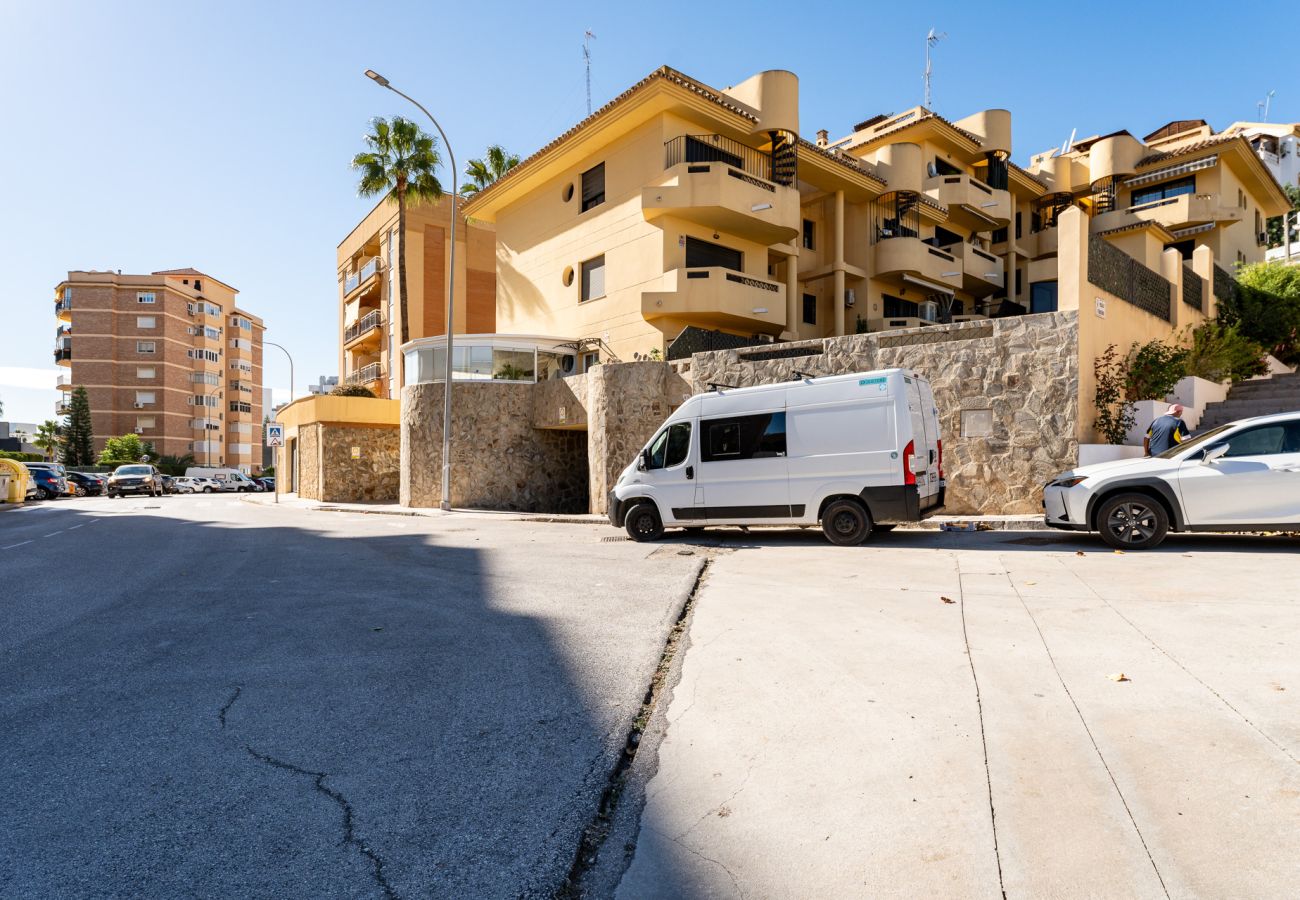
[[643, 523], [846, 523]]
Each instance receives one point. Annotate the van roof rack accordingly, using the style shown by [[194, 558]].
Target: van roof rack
[[717, 386], [800, 375]]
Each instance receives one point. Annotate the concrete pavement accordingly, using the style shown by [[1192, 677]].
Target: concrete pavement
[[839, 730]]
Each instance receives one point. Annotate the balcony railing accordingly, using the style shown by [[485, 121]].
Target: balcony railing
[[366, 374], [368, 322], [63, 350], [708, 148], [62, 304], [362, 275], [62, 407]]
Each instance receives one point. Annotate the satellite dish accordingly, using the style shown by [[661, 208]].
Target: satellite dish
[[931, 169], [567, 363]]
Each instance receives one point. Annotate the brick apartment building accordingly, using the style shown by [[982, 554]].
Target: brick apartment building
[[167, 356]]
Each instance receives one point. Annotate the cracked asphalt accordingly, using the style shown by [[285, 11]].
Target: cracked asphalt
[[209, 698]]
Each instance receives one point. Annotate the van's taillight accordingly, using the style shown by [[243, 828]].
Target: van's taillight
[[909, 477], [940, 444]]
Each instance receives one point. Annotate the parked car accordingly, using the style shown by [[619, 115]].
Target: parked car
[[1243, 476], [50, 483], [229, 479], [186, 485], [856, 453], [169, 483], [268, 484], [59, 470], [85, 485], [136, 478]]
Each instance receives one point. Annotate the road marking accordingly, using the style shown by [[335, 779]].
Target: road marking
[[74, 527], [11, 546], [53, 533]]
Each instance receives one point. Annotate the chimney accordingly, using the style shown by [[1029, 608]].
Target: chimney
[[823, 138]]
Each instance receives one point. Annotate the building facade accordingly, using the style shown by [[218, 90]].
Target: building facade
[[370, 322], [167, 356]]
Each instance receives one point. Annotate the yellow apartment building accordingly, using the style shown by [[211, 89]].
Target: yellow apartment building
[[168, 356], [369, 313]]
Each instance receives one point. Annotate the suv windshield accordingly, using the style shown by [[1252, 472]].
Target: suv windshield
[[1194, 442], [132, 470]]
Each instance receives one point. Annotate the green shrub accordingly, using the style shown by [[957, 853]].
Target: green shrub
[[1152, 370], [21, 457], [1115, 415], [352, 390], [1220, 352], [1266, 308]]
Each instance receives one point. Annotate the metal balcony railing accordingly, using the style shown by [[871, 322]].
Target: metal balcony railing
[[62, 407], [368, 322], [366, 374], [365, 273], [709, 148], [62, 304]]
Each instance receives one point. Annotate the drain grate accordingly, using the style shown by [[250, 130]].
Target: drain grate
[[615, 539]]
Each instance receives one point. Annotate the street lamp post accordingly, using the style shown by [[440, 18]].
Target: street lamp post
[[445, 502], [267, 343]]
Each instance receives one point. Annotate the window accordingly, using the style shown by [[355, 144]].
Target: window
[[944, 238], [743, 437], [703, 254], [943, 167], [898, 308], [144, 397], [590, 360], [1175, 188], [810, 309], [242, 344], [593, 278], [593, 187], [1184, 248], [205, 378], [809, 233], [1042, 297], [146, 297], [146, 322], [198, 284], [1020, 281], [209, 355], [1018, 221], [239, 406], [144, 422], [670, 448], [211, 333], [144, 347], [145, 372], [1265, 440]]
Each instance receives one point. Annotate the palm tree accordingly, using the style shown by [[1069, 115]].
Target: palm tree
[[401, 160], [482, 172], [47, 436]]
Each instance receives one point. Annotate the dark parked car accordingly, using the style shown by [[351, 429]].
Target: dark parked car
[[268, 484], [169, 484], [49, 483], [85, 485], [135, 479]]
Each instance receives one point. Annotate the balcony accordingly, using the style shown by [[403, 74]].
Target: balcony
[[64, 381], [726, 195], [364, 332], [1173, 212], [63, 352], [363, 279], [909, 259], [366, 375], [62, 407], [982, 273], [717, 298], [971, 203], [63, 308]]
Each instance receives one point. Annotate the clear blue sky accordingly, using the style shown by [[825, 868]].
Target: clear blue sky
[[148, 135]]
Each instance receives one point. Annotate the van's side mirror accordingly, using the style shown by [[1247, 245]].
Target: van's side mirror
[[1213, 453], [643, 460]]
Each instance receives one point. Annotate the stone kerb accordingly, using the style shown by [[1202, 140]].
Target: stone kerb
[[1022, 373]]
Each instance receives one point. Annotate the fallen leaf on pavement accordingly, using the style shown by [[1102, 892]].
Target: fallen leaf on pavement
[[1031, 582], [947, 600], [1079, 553], [1119, 676], [1120, 552]]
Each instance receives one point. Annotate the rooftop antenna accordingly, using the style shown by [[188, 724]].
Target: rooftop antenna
[[1263, 105], [930, 40], [587, 37], [1065, 148]]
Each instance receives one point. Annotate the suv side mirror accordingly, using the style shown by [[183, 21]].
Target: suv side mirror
[[643, 460], [1214, 453]]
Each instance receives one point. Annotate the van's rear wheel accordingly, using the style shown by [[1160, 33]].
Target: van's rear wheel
[[1132, 522], [846, 523], [643, 523]]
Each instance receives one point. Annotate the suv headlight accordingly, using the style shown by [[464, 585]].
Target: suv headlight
[[1069, 482]]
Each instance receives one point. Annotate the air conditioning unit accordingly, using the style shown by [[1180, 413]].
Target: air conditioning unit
[[567, 363], [139, 430], [138, 405], [850, 298]]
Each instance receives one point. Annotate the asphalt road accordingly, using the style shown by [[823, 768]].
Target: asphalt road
[[207, 698]]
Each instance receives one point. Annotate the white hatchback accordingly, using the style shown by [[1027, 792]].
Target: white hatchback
[[1243, 476]]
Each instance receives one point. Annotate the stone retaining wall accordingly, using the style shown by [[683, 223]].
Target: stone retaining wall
[[1020, 372]]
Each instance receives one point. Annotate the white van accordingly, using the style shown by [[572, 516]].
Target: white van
[[851, 452], [231, 479]]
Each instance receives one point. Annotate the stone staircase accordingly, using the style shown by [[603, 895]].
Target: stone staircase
[[1281, 393]]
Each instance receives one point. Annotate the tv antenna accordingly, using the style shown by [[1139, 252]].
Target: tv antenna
[[930, 40], [1263, 105], [587, 37]]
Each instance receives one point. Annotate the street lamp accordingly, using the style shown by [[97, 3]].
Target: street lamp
[[445, 502], [267, 343]]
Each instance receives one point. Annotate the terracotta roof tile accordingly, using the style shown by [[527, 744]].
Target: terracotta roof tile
[[1195, 146], [849, 162]]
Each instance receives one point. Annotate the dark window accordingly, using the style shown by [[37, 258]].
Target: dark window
[[1042, 297], [198, 285], [810, 309], [1265, 440], [1184, 248], [1019, 281], [671, 446], [1018, 217], [944, 238], [703, 254], [743, 437], [999, 236], [593, 187], [943, 167], [808, 233], [1164, 191], [698, 151], [898, 308], [593, 278]]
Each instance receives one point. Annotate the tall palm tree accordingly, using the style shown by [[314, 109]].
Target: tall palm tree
[[482, 172], [47, 436], [401, 159]]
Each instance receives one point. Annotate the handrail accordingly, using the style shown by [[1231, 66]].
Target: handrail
[[714, 148], [367, 373], [366, 323]]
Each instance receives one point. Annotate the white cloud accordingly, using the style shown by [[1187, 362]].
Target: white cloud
[[29, 379]]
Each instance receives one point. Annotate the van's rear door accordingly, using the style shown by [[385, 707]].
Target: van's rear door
[[925, 437]]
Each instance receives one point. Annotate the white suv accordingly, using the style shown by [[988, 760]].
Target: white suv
[[1243, 476]]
